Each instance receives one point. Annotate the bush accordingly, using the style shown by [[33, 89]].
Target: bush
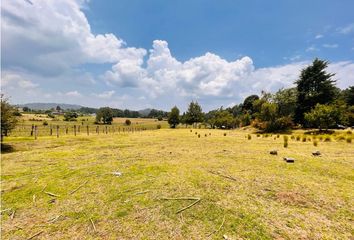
[[198, 135], [45, 123], [315, 143], [327, 139], [158, 126], [298, 138], [249, 137], [128, 122], [159, 118], [304, 139], [349, 139], [224, 134]]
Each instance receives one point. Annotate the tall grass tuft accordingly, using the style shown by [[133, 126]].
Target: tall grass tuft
[[224, 134], [315, 142], [327, 139], [349, 140], [297, 138], [249, 137], [304, 139], [286, 139]]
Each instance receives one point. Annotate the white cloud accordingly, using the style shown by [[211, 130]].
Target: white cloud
[[330, 45], [73, 94], [347, 29], [318, 36], [50, 37], [105, 95], [312, 49], [14, 80]]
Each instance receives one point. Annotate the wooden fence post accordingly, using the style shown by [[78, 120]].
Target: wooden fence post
[[57, 131], [32, 129], [74, 130], [106, 130], [35, 132], [88, 130], [51, 130]]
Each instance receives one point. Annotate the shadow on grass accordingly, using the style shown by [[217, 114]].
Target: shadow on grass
[[6, 148], [319, 132]]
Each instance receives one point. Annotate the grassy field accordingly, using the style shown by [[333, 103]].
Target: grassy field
[[128, 186]]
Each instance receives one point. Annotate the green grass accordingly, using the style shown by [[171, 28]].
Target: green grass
[[268, 198]]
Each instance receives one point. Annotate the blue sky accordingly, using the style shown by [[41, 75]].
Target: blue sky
[[137, 54]]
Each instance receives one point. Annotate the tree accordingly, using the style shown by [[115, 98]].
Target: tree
[[348, 95], [58, 108], [322, 116], [248, 103], [105, 115], [128, 122], [70, 116], [173, 117], [8, 118], [315, 86], [194, 113], [286, 101]]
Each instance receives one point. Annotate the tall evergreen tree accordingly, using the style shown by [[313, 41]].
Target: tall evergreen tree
[[314, 86]]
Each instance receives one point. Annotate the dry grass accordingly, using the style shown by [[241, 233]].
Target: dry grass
[[261, 197]]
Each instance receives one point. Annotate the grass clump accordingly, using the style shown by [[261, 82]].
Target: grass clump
[[315, 143], [349, 140], [249, 137], [298, 138], [327, 139], [304, 139], [286, 139], [224, 134]]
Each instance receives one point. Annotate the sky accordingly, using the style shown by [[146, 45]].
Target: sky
[[140, 54]]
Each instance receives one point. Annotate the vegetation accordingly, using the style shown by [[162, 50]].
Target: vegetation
[[8, 117], [69, 187], [173, 117], [104, 115]]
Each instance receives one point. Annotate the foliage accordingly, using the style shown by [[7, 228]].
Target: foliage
[[173, 117], [194, 113], [8, 117], [315, 86], [248, 103], [70, 116], [128, 122], [322, 116], [104, 115]]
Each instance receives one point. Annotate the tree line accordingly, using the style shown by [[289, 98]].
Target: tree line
[[314, 102]]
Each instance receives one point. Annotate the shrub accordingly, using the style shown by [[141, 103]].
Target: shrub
[[321, 138], [224, 134], [249, 137], [292, 137], [315, 143], [349, 140], [128, 122], [198, 135], [349, 132], [298, 138], [45, 123], [159, 118], [286, 138], [327, 139], [258, 135], [278, 135], [158, 126], [304, 139]]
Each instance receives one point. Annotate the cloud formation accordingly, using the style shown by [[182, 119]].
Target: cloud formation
[[46, 45]]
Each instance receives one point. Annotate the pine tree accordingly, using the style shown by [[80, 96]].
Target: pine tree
[[314, 86]]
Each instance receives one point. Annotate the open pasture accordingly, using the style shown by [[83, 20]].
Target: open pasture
[[176, 184]]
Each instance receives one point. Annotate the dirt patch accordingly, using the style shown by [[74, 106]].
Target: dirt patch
[[291, 198]]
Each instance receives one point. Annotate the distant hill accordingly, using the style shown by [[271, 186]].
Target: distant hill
[[145, 112], [48, 106]]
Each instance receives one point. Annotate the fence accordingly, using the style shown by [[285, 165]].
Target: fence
[[36, 131]]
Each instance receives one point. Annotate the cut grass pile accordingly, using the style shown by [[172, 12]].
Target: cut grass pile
[[129, 186]]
